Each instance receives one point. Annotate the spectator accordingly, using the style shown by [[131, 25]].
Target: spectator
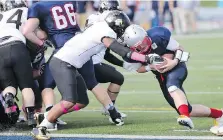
[[185, 16], [129, 7], [81, 10]]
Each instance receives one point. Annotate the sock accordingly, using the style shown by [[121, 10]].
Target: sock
[[47, 124], [76, 108], [183, 110], [110, 106], [215, 113], [48, 107], [113, 101]]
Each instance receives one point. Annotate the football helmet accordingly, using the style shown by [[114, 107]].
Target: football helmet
[[136, 38], [108, 5], [118, 21], [11, 4]]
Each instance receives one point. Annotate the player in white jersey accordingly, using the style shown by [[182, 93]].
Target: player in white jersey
[[74, 54], [15, 64], [105, 73]]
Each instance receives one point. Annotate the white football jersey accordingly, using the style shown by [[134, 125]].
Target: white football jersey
[[78, 50], [92, 19], [11, 24]]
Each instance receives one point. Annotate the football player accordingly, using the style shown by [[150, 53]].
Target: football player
[[58, 20], [16, 70], [105, 73], [75, 53], [171, 72]]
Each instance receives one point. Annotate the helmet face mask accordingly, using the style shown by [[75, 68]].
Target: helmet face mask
[[136, 38], [142, 46]]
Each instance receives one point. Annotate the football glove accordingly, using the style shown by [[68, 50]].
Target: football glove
[[154, 59]]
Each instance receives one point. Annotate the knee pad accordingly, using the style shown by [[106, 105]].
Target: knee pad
[[172, 88], [118, 79]]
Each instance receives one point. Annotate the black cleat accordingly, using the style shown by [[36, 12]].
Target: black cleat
[[116, 117], [31, 119], [11, 107], [39, 117]]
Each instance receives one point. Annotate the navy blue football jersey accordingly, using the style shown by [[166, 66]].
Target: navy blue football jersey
[[160, 37], [57, 19]]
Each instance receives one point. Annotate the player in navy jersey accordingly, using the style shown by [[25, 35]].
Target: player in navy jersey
[[171, 72], [58, 20]]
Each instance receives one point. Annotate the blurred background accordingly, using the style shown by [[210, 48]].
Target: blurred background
[[180, 16]]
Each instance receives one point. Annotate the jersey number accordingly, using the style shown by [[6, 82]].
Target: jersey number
[[13, 18], [62, 20]]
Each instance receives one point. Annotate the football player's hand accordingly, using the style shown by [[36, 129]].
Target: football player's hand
[[169, 65], [132, 67]]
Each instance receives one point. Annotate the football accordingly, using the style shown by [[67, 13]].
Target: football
[[168, 56]]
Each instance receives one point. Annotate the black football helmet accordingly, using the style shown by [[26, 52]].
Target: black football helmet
[[108, 5], [118, 21]]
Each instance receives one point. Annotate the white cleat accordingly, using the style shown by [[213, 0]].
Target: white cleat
[[60, 122], [185, 121], [217, 129]]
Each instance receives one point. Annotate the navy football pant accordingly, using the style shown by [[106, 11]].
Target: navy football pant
[[175, 77]]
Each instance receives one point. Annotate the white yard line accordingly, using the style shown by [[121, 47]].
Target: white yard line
[[126, 92], [97, 136], [134, 111]]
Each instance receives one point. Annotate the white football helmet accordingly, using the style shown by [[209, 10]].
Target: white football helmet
[[136, 38], [11, 4]]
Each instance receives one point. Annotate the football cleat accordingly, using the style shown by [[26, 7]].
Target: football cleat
[[106, 113], [10, 107], [218, 122], [220, 131], [116, 117], [60, 122], [39, 117], [40, 133], [31, 119], [185, 121]]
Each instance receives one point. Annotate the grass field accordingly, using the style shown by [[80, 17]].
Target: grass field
[[141, 99]]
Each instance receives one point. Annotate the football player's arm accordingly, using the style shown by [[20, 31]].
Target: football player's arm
[[29, 31], [112, 59], [123, 51], [180, 54], [146, 68]]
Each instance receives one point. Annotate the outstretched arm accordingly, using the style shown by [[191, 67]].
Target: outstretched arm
[[123, 51], [29, 31]]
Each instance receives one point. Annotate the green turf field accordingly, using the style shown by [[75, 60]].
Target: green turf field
[[148, 113]]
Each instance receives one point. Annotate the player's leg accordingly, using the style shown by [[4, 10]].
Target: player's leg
[[23, 73], [175, 80], [65, 76], [47, 85], [88, 73], [7, 81], [105, 73]]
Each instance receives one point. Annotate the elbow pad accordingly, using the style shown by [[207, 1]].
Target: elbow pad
[[119, 49]]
